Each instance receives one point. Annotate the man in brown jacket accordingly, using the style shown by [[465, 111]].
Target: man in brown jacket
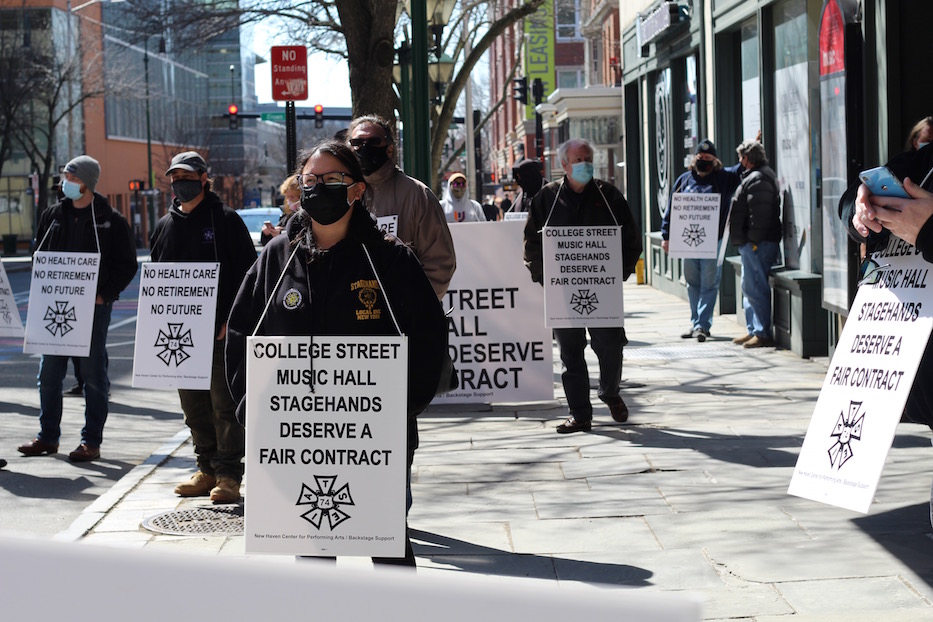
[[404, 206]]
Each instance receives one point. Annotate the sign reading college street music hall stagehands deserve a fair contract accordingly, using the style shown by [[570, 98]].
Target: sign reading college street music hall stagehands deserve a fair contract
[[496, 334], [326, 445], [62, 295], [175, 334], [869, 378], [582, 276]]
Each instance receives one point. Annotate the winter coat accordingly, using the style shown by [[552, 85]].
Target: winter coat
[[210, 232], [723, 182], [334, 305], [421, 221], [756, 208], [117, 249], [591, 208]]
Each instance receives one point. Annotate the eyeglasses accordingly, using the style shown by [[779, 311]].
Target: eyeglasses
[[870, 272], [373, 141], [334, 178]]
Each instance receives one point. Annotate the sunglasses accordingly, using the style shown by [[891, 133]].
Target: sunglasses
[[374, 141], [870, 272]]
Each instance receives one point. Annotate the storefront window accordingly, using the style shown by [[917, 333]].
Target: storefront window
[[663, 128], [751, 83], [792, 127], [567, 19], [691, 118]]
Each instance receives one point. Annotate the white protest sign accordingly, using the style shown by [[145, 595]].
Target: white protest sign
[[582, 276], [867, 383], [388, 224], [497, 337], [522, 216], [327, 469], [694, 232], [175, 325], [61, 303], [10, 323]]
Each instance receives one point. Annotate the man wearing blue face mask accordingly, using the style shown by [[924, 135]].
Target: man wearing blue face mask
[[579, 199], [199, 227], [83, 222]]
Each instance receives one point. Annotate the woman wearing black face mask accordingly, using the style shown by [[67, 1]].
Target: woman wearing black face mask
[[705, 174], [311, 281]]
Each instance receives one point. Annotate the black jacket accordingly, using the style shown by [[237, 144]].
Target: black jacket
[[335, 306], [118, 263], [756, 208], [586, 209], [211, 232]]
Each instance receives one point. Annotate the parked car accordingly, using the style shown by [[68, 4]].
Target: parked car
[[254, 217]]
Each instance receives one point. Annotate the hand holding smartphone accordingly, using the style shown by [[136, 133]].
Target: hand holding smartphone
[[882, 182]]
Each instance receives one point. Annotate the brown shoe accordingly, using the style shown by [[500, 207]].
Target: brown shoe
[[83, 453], [199, 485], [571, 425], [741, 340], [759, 342], [227, 490], [619, 411], [35, 447]]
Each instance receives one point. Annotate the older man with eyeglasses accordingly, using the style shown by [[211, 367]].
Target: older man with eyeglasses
[[403, 205]]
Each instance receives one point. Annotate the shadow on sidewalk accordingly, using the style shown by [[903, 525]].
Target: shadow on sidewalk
[[484, 560], [905, 534]]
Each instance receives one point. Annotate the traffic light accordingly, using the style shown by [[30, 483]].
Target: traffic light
[[137, 184], [537, 90], [232, 111], [319, 116], [520, 90]]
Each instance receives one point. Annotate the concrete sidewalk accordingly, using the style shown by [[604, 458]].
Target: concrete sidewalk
[[688, 496]]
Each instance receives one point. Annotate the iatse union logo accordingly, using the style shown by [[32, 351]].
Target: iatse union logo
[[584, 302], [368, 294], [848, 428], [325, 502], [60, 318], [173, 343]]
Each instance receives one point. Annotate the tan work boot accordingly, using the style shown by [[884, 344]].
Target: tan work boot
[[199, 485], [227, 490]]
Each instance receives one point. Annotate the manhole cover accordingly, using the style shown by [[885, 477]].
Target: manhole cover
[[227, 520], [676, 353]]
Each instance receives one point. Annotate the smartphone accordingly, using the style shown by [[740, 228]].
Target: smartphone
[[882, 182]]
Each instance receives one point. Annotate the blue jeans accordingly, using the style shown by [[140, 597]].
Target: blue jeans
[[756, 290], [702, 276], [52, 370]]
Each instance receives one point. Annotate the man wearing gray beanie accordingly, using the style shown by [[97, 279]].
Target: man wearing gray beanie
[[83, 222]]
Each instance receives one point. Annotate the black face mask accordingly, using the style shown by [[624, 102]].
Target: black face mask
[[325, 204], [704, 166], [187, 189], [372, 158]]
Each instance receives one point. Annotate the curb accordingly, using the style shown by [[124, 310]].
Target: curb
[[94, 513]]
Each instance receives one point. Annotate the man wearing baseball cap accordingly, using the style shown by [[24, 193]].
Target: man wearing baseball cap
[[199, 227], [705, 174], [457, 204], [83, 222]]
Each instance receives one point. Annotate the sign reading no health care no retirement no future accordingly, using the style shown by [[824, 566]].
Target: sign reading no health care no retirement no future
[[62, 295]]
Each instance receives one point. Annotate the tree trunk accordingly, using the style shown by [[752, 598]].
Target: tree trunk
[[368, 27]]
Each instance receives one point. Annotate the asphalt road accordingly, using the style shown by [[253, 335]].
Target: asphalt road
[[42, 496]]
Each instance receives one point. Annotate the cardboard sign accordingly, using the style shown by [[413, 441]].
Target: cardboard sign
[[175, 326], [694, 230], [61, 303], [498, 341], [326, 445], [11, 325], [868, 381], [582, 276], [388, 224]]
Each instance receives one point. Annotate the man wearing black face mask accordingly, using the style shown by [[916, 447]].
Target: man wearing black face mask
[[527, 174], [199, 227], [404, 206], [705, 174]]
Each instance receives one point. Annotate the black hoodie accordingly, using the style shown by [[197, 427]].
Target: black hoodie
[[335, 305]]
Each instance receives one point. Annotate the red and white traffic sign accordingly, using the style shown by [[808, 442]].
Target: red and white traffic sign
[[289, 72]]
